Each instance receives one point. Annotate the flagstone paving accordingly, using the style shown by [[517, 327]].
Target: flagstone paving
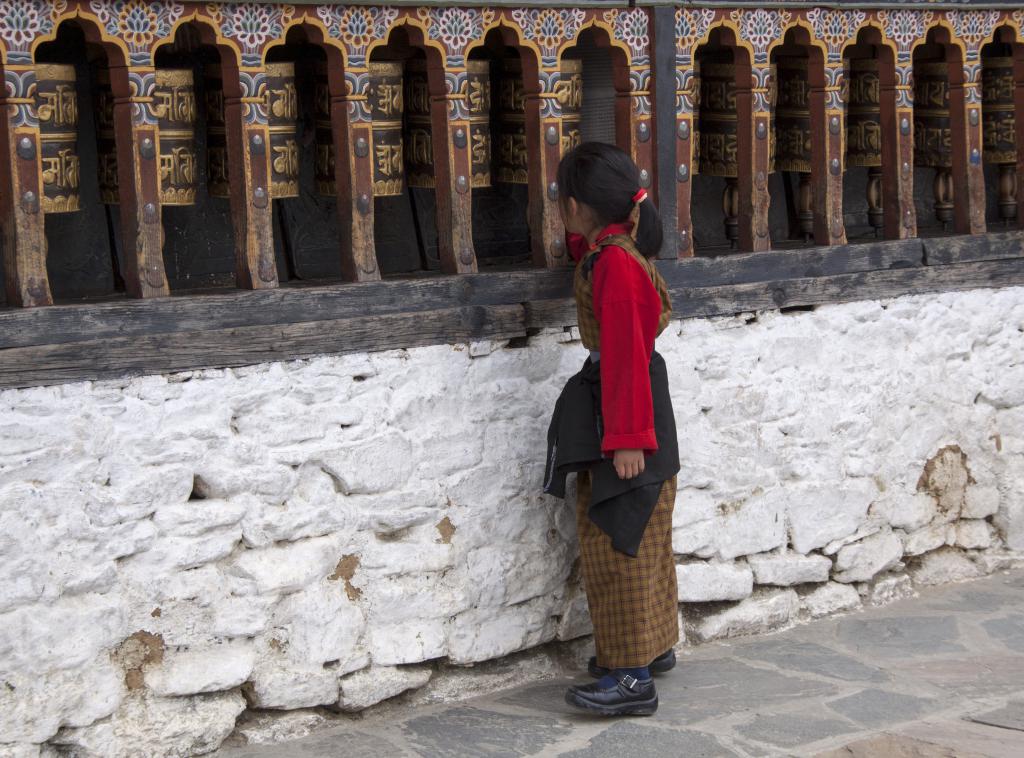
[[937, 675]]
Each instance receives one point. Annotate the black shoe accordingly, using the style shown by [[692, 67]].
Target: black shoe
[[661, 664], [628, 697]]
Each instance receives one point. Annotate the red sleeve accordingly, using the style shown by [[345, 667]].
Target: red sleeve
[[627, 307], [577, 245]]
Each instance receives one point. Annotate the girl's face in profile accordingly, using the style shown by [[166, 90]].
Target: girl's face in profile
[[575, 217]]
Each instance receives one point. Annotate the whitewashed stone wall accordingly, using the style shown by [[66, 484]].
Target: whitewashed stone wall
[[288, 535]]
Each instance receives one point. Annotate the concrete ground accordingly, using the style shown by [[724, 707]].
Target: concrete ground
[[941, 674]]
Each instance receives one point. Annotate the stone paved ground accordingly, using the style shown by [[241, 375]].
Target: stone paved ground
[[941, 674]]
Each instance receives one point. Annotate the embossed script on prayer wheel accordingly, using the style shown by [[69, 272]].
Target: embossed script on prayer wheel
[[999, 130], [174, 105], [570, 97], [386, 107], [864, 114], [512, 160], [717, 123], [419, 150], [216, 133], [57, 107], [106, 146], [932, 136], [793, 116], [323, 163], [478, 103], [283, 117]]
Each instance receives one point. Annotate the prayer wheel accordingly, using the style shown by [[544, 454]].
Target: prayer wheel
[[864, 130], [716, 135], [386, 108], [933, 141], [999, 130], [512, 159], [283, 118], [323, 164], [793, 130], [216, 133], [106, 143], [695, 101], [570, 96], [57, 108], [419, 148], [478, 103], [174, 105]]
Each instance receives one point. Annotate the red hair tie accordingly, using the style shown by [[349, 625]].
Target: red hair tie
[[634, 215]]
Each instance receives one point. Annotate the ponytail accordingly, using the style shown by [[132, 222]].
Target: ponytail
[[649, 233]]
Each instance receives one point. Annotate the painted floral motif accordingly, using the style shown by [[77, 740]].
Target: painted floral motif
[[357, 85], [138, 22], [834, 28], [141, 86], [640, 83], [21, 21], [456, 28], [762, 95], [550, 28], [974, 28], [904, 85], [357, 26], [760, 28], [251, 25], [691, 25], [630, 26], [19, 85], [904, 28], [972, 78]]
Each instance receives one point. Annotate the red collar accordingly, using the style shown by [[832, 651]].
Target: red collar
[[610, 231]]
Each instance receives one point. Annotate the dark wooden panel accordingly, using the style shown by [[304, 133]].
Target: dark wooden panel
[[98, 359], [987, 247]]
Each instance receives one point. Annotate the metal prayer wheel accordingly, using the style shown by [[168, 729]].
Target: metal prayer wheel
[[323, 163], [694, 93], [933, 141], [283, 118], [57, 108], [512, 159], [216, 133], [174, 105], [999, 131], [386, 108], [570, 97], [419, 148], [106, 143], [478, 103], [864, 130], [793, 116], [716, 136]]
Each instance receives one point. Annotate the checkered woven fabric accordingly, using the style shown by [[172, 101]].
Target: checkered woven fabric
[[590, 330], [634, 603]]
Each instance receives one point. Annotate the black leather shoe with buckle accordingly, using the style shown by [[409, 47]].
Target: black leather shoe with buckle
[[628, 697], [661, 664]]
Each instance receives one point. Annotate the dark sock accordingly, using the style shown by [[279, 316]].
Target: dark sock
[[611, 679]]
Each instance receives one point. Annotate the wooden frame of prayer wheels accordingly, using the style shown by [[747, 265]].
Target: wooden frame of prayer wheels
[[174, 105], [386, 110], [478, 105], [283, 117], [57, 108]]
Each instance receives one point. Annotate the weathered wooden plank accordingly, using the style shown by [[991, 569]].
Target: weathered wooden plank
[[99, 359], [940, 251], [784, 264], [73, 323]]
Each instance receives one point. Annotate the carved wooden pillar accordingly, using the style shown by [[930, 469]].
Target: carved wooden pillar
[[897, 116], [828, 151], [138, 177], [544, 146], [354, 176], [753, 109], [687, 94], [449, 117], [21, 185], [248, 140], [968, 171], [634, 116]]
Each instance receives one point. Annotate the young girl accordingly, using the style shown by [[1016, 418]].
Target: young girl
[[613, 424]]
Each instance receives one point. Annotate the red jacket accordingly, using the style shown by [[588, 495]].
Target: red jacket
[[627, 308]]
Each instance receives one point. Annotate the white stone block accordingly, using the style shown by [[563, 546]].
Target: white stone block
[[283, 684], [21, 750], [832, 597], [819, 515], [866, 529], [289, 567], [370, 686], [481, 634], [789, 568], [886, 588], [973, 533], [860, 561], [191, 672], [762, 612], [980, 501], [905, 510], [753, 526], [198, 517], [696, 538], [575, 619], [412, 641], [703, 581], [392, 463], [928, 538], [943, 566], [320, 624]]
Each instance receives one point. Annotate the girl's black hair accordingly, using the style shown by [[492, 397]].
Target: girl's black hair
[[604, 178]]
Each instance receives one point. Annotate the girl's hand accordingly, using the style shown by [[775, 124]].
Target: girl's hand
[[628, 463]]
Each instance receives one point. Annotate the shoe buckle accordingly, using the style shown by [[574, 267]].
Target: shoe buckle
[[628, 681]]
